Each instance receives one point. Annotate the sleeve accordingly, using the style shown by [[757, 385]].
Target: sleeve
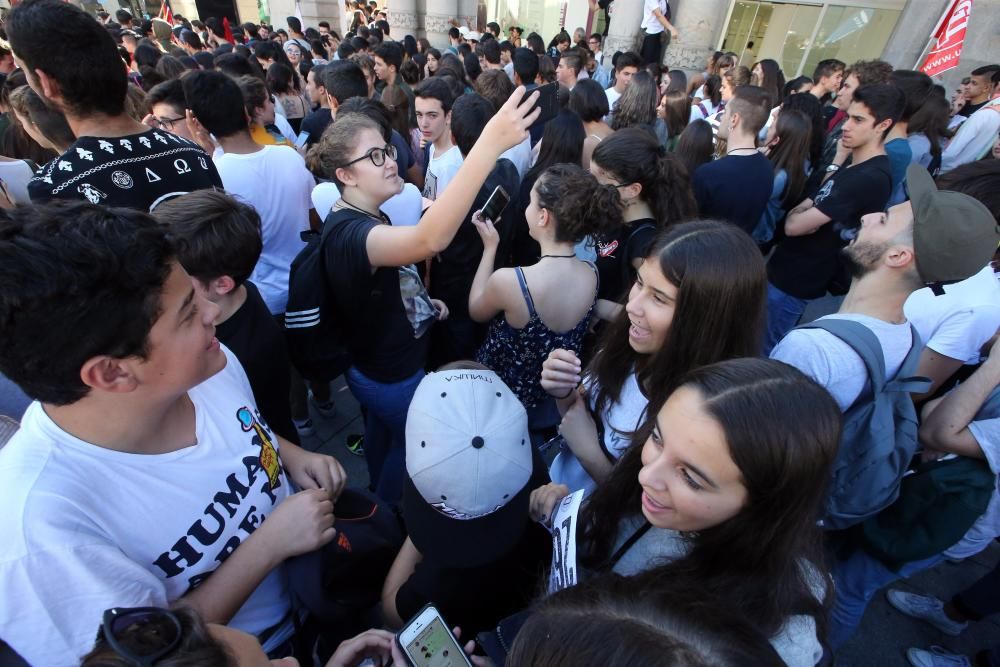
[[962, 335], [639, 243], [803, 350], [346, 258], [987, 434], [54, 599], [38, 193], [967, 131], [796, 643]]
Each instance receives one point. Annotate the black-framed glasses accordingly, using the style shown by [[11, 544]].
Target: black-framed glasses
[[166, 123], [376, 155], [141, 635]]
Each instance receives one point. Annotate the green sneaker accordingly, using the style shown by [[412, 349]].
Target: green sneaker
[[355, 444]]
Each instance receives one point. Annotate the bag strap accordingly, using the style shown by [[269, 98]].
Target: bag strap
[[905, 380], [860, 339], [525, 291], [628, 544]]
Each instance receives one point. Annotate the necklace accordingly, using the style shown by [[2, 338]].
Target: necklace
[[558, 256], [343, 203]]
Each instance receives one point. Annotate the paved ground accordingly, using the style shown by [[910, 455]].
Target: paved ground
[[885, 634]]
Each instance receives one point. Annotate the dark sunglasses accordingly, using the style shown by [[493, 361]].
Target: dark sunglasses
[[141, 635]]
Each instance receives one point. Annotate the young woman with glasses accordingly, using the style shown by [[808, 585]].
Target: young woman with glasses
[[379, 299]]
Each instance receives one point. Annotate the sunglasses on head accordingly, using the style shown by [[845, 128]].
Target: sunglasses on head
[[141, 635]]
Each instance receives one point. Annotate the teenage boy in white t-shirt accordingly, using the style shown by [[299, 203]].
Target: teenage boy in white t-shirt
[[273, 179], [143, 466], [434, 100]]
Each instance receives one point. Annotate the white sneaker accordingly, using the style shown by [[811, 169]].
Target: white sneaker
[[936, 657], [926, 608]]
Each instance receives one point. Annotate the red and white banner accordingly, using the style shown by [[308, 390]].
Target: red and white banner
[[949, 37]]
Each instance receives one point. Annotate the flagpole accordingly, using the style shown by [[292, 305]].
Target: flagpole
[[948, 8]]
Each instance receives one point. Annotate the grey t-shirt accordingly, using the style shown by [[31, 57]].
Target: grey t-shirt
[[834, 364]]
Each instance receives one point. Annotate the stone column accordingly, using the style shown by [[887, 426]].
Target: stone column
[[623, 32], [314, 11], [468, 13], [700, 23], [403, 18], [436, 21]]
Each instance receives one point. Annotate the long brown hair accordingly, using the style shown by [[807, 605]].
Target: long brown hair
[[721, 285], [794, 131], [782, 431]]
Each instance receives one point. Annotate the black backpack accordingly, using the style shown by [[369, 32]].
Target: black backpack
[[316, 344]]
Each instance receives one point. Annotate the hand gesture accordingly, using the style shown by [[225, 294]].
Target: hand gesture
[[442, 309], [487, 231], [674, 34], [310, 470], [843, 152], [301, 523], [561, 373], [509, 126], [544, 500]]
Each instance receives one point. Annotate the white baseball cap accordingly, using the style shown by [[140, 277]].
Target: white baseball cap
[[471, 467]]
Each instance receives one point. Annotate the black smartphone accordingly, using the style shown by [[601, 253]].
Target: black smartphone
[[548, 101], [496, 204]]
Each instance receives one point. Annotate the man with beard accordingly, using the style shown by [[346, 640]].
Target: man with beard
[[933, 239]]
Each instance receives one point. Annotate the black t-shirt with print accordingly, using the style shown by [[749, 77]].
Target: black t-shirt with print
[[369, 304], [616, 254], [137, 171], [258, 341], [803, 266]]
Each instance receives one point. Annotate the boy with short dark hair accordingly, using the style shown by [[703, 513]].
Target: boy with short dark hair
[[143, 473], [388, 60], [218, 242], [803, 265], [116, 160], [736, 187], [433, 106], [827, 77]]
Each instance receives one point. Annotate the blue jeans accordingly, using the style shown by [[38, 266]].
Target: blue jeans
[[856, 581], [783, 313], [385, 406]]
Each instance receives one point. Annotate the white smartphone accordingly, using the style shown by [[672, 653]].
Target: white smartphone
[[427, 641], [495, 205]]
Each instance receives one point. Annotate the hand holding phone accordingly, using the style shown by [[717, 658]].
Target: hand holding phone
[[495, 205], [427, 642]]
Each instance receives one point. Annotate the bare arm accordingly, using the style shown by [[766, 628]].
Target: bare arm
[[607, 310], [946, 425], [667, 25], [486, 295], [401, 570], [938, 367], [804, 219], [399, 246], [302, 522]]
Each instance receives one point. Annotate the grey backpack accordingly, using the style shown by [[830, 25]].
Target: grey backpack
[[880, 430]]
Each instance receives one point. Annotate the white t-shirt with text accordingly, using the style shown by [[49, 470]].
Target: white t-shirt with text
[[87, 528]]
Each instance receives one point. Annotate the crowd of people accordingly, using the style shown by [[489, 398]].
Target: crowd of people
[[717, 368]]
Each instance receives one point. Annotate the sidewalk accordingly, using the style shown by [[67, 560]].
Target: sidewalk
[[885, 634]]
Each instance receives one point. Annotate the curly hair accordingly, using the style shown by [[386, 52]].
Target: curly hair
[[582, 206]]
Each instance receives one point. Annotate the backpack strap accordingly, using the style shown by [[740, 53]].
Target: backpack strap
[[866, 345], [860, 339], [704, 111], [525, 291]]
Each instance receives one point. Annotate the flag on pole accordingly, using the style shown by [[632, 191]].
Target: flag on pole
[[165, 12], [949, 38], [298, 12]]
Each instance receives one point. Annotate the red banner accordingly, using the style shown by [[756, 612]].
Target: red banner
[[949, 39]]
